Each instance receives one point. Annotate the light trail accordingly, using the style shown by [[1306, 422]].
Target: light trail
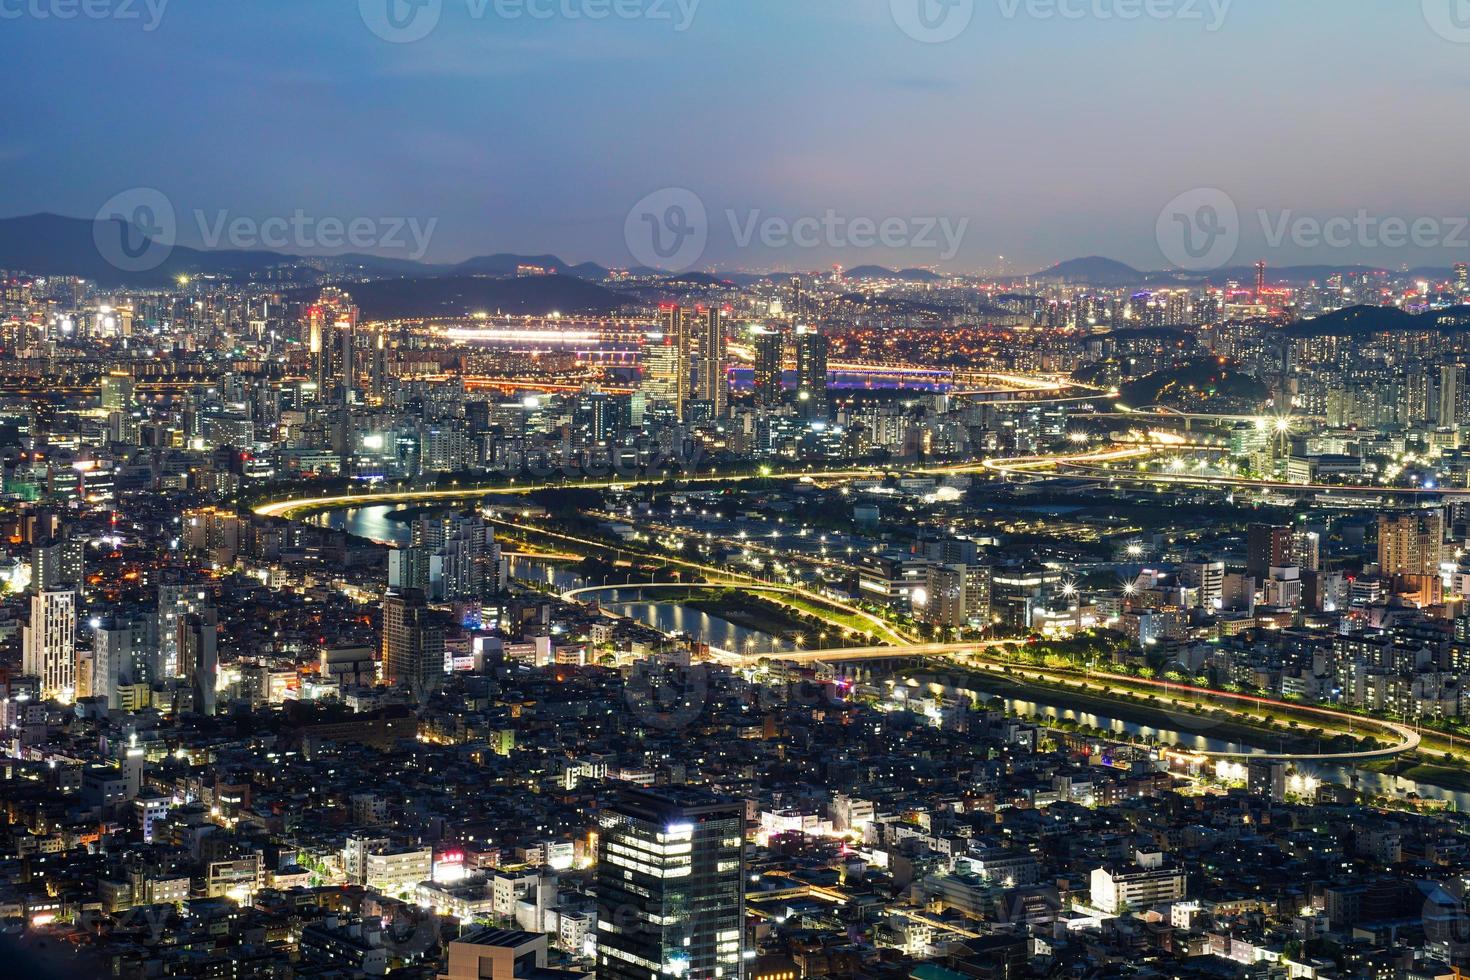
[[1409, 739]]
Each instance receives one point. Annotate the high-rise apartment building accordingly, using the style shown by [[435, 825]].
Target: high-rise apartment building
[[177, 599], [49, 643], [770, 360], [714, 380], [811, 372], [670, 886], [412, 643], [450, 556], [1411, 543], [56, 562], [1268, 546]]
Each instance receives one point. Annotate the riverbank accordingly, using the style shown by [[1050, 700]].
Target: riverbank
[[1128, 709]]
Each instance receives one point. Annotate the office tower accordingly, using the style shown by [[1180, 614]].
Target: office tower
[[1462, 278], [1208, 579], [199, 656], [331, 333], [1268, 546], [176, 600], [594, 418], [670, 886], [770, 361], [55, 563], [49, 643], [662, 362], [117, 391], [674, 321], [714, 383], [1411, 543], [1260, 280], [412, 643], [811, 372]]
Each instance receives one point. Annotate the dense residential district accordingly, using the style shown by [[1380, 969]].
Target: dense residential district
[[855, 624]]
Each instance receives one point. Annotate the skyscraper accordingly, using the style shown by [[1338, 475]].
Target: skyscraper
[[670, 886], [770, 359], [49, 643], [811, 372], [714, 385], [412, 643], [1452, 399], [331, 325], [663, 363]]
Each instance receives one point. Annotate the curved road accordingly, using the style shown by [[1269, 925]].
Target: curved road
[[1407, 738]]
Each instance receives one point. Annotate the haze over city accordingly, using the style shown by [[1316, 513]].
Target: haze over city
[[734, 490]]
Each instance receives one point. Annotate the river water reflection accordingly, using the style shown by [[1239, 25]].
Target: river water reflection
[[374, 523]]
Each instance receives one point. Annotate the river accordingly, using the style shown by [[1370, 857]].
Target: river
[[670, 617], [375, 524]]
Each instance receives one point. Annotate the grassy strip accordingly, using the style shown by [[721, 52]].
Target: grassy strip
[[1139, 711]]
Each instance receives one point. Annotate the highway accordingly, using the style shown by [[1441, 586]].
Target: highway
[[1406, 738]]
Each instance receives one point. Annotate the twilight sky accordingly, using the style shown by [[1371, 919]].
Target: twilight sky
[[1040, 136]]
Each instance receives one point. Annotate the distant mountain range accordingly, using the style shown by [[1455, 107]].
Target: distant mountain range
[[51, 245], [1099, 271]]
